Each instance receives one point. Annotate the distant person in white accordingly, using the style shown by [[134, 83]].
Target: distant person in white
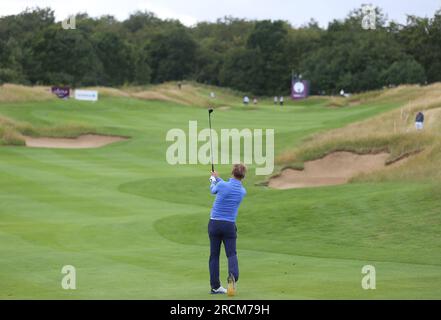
[[281, 101], [246, 100], [419, 121], [276, 100]]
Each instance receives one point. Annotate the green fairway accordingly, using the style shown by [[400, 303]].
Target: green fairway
[[135, 227]]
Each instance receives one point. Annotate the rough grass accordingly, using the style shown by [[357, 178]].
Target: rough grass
[[9, 133], [190, 94], [19, 93], [109, 92], [12, 132], [402, 94], [392, 132]]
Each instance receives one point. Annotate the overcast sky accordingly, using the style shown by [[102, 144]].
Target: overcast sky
[[189, 12]]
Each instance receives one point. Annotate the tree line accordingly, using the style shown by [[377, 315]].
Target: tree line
[[257, 57]]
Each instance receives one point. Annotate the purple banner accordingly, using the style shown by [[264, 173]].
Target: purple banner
[[61, 92], [299, 89]]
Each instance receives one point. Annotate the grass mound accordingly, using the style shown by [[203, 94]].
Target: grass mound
[[391, 132], [12, 132], [19, 93], [402, 94], [190, 94]]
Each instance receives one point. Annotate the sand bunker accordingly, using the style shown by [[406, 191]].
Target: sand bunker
[[334, 169], [82, 142]]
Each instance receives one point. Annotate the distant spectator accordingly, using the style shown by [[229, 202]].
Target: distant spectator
[[212, 95], [281, 101], [342, 93], [246, 100], [255, 101], [179, 85], [419, 121], [276, 100]]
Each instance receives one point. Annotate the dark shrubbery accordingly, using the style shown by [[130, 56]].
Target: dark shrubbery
[[253, 56]]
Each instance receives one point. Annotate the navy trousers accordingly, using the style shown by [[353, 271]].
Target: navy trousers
[[226, 232]]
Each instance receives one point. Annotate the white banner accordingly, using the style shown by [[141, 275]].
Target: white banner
[[86, 95]]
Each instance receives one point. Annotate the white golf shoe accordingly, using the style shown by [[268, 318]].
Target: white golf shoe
[[220, 290]]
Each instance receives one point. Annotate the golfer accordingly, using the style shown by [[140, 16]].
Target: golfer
[[222, 226]]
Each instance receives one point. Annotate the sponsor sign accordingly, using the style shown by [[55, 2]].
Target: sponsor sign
[[299, 89], [86, 95], [61, 92]]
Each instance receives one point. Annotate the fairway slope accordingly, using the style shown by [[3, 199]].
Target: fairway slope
[[392, 132], [134, 225]]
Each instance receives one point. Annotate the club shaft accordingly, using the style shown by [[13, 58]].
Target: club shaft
[[211, 144]]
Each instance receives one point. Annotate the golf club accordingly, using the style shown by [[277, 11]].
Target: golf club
[[210, 111]]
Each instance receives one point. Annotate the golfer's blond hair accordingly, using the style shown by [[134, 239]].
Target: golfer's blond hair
[[239, 171]]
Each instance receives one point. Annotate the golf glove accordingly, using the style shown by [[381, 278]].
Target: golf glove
[[213, 179]]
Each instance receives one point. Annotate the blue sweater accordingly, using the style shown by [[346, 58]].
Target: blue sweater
[[229, 195]]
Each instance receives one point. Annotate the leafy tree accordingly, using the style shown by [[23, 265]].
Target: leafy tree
[[141, 20], [421, 38], [172, 55], [404, 72], [142, 71], [253, 56], [115, 57], [269, 39], [350, 57], [208, 65], [10, 62], [63, 57], [243, 70]]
